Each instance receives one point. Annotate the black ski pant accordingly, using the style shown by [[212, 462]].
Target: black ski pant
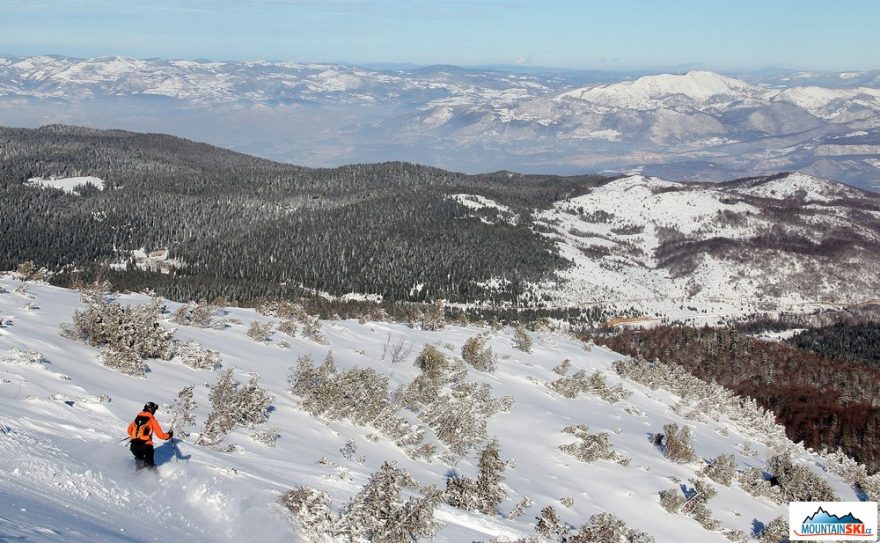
[[143, 451]]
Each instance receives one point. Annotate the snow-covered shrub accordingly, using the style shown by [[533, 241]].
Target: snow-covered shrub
[[591, 447], [520, 508], [24, 289], [96, 292], [28, 271], [281, 309], [677, 443], [752, 480], [233, 405], [133, 330], [432, 362], [359, 395], [196, 356], [722, 469], [124, 361], [550, 526], [775, 531], [267, 436], [853, 473], [797, 483], [521, 339], [485, 494], [348, 449], [425, 388], [311, 511], [182, 411], [409, 437], [259, 331], [567, 501], [27, 358], [479, 355], [697, 506], [459, 417], [563, 367], [419, 392], [287, 327], [434, 318], [694, 504], [379, 514], [704, 401], [672, 499], [312, 330], [737, 536], [608, 528], [200, 315], [579, 382]]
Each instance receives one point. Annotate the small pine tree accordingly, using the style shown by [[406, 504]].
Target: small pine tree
[[608, 528], [310, 509], [797, 483], [182, 411], [521, 339], [550, 526], [678, 445], [485, 494], [721, 470], [563, 367], [379, 514], [520, 508], [233, 405]]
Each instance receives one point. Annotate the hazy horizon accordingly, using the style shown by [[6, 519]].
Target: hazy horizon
[[635, 35]]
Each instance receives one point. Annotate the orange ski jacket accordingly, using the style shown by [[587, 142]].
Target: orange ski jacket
[[144, 426]]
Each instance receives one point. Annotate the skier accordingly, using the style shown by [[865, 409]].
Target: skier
[[141, 431]]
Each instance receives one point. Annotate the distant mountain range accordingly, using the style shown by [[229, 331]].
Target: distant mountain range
[[693, 126]]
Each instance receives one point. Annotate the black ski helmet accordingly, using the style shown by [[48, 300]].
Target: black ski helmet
[[151, 407]]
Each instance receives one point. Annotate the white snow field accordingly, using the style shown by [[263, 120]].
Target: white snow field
[[65, 476], [66, 184]]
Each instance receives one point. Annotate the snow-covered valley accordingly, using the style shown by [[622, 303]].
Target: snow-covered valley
[[66, 475]]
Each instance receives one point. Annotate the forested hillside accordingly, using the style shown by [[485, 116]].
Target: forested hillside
[[820, 401], [245, 228], [849, 342]]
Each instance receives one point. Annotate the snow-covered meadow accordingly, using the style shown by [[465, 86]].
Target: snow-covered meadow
[[66, 475]]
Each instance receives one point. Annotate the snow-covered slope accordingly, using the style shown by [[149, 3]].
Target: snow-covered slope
[[66, 476], [651, 91], [710, 252]]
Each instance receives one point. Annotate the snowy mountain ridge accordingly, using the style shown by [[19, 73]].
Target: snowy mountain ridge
[[711, 252], [66, 474], [697, 125]]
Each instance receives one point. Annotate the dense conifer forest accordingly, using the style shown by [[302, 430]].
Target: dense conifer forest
[[246, 228], [858, 343], [821, 401]]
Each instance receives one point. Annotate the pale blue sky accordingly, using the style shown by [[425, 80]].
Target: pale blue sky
[[585, 34]]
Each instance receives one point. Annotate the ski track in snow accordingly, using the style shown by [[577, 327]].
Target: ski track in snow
[[66, 476]]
